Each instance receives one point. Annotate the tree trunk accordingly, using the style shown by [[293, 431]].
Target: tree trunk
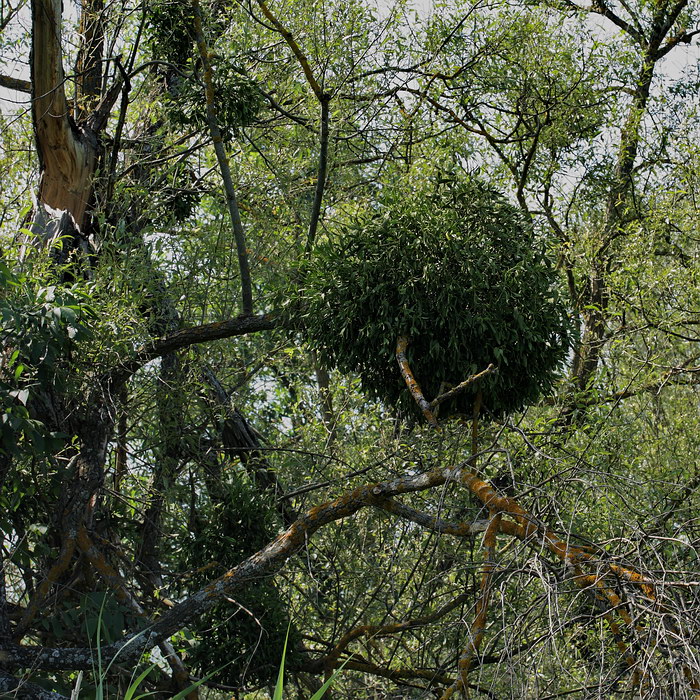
[[67, 153]]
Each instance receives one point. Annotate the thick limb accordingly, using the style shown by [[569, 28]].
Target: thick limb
[[411, 383]]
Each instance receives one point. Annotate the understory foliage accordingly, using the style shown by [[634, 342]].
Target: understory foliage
[[450, 264], [41, 327], [244, 637], [207, 446]]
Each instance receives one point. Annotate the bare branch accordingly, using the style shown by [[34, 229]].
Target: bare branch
[[411, 383], [18, 84], [300, 55], [240, 325], [463, 386]]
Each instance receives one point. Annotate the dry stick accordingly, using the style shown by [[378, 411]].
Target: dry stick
[[114, 580], [411, 383], [238, 233], [462, 386], [478, 627], [376, 631]]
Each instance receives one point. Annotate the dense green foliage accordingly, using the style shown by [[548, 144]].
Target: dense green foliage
[[173, 47], [40, 327], [456, 268], [245, 636]]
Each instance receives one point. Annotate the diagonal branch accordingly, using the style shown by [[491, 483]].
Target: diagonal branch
[[601, 8], [463, 386], [114, 580], [240, 325], [267, 561], [476, 633], [324, 99], [682, 38], [411, 383], [300, 55], [321, 175], [231, 201], [18, 84]]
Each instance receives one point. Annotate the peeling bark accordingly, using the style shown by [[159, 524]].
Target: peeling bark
[[67, 154]]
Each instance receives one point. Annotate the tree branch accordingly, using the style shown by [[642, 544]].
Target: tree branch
[[234, 214], [463, 386], [300, 55], [240, 325], [431, 522], [18, 84], [321, 176], [683, 38], [411, 383], [18, 688], [264, 563]]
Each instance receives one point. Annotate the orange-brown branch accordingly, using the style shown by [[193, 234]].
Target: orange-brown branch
[[59, 567], [296, 50], [478, 627], [463, 386], [374, 631], [114, 580], [411, 383]]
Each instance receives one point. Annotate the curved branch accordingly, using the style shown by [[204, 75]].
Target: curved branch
[[16, 688], [291, 41], [411, 383], [491, 369], [267, 561], [431, 522], [321, 176]]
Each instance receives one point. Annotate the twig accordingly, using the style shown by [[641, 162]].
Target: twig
[[491, 369], [476, 634]]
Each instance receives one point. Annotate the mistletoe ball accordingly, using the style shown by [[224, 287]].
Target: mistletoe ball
[[458, 270]]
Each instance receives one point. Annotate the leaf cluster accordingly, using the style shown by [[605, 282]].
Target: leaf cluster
[[457, 269], [171, 38], [244, 639], [38, 328]]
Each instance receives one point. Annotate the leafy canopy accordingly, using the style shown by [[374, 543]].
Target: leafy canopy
[[459, 270]]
